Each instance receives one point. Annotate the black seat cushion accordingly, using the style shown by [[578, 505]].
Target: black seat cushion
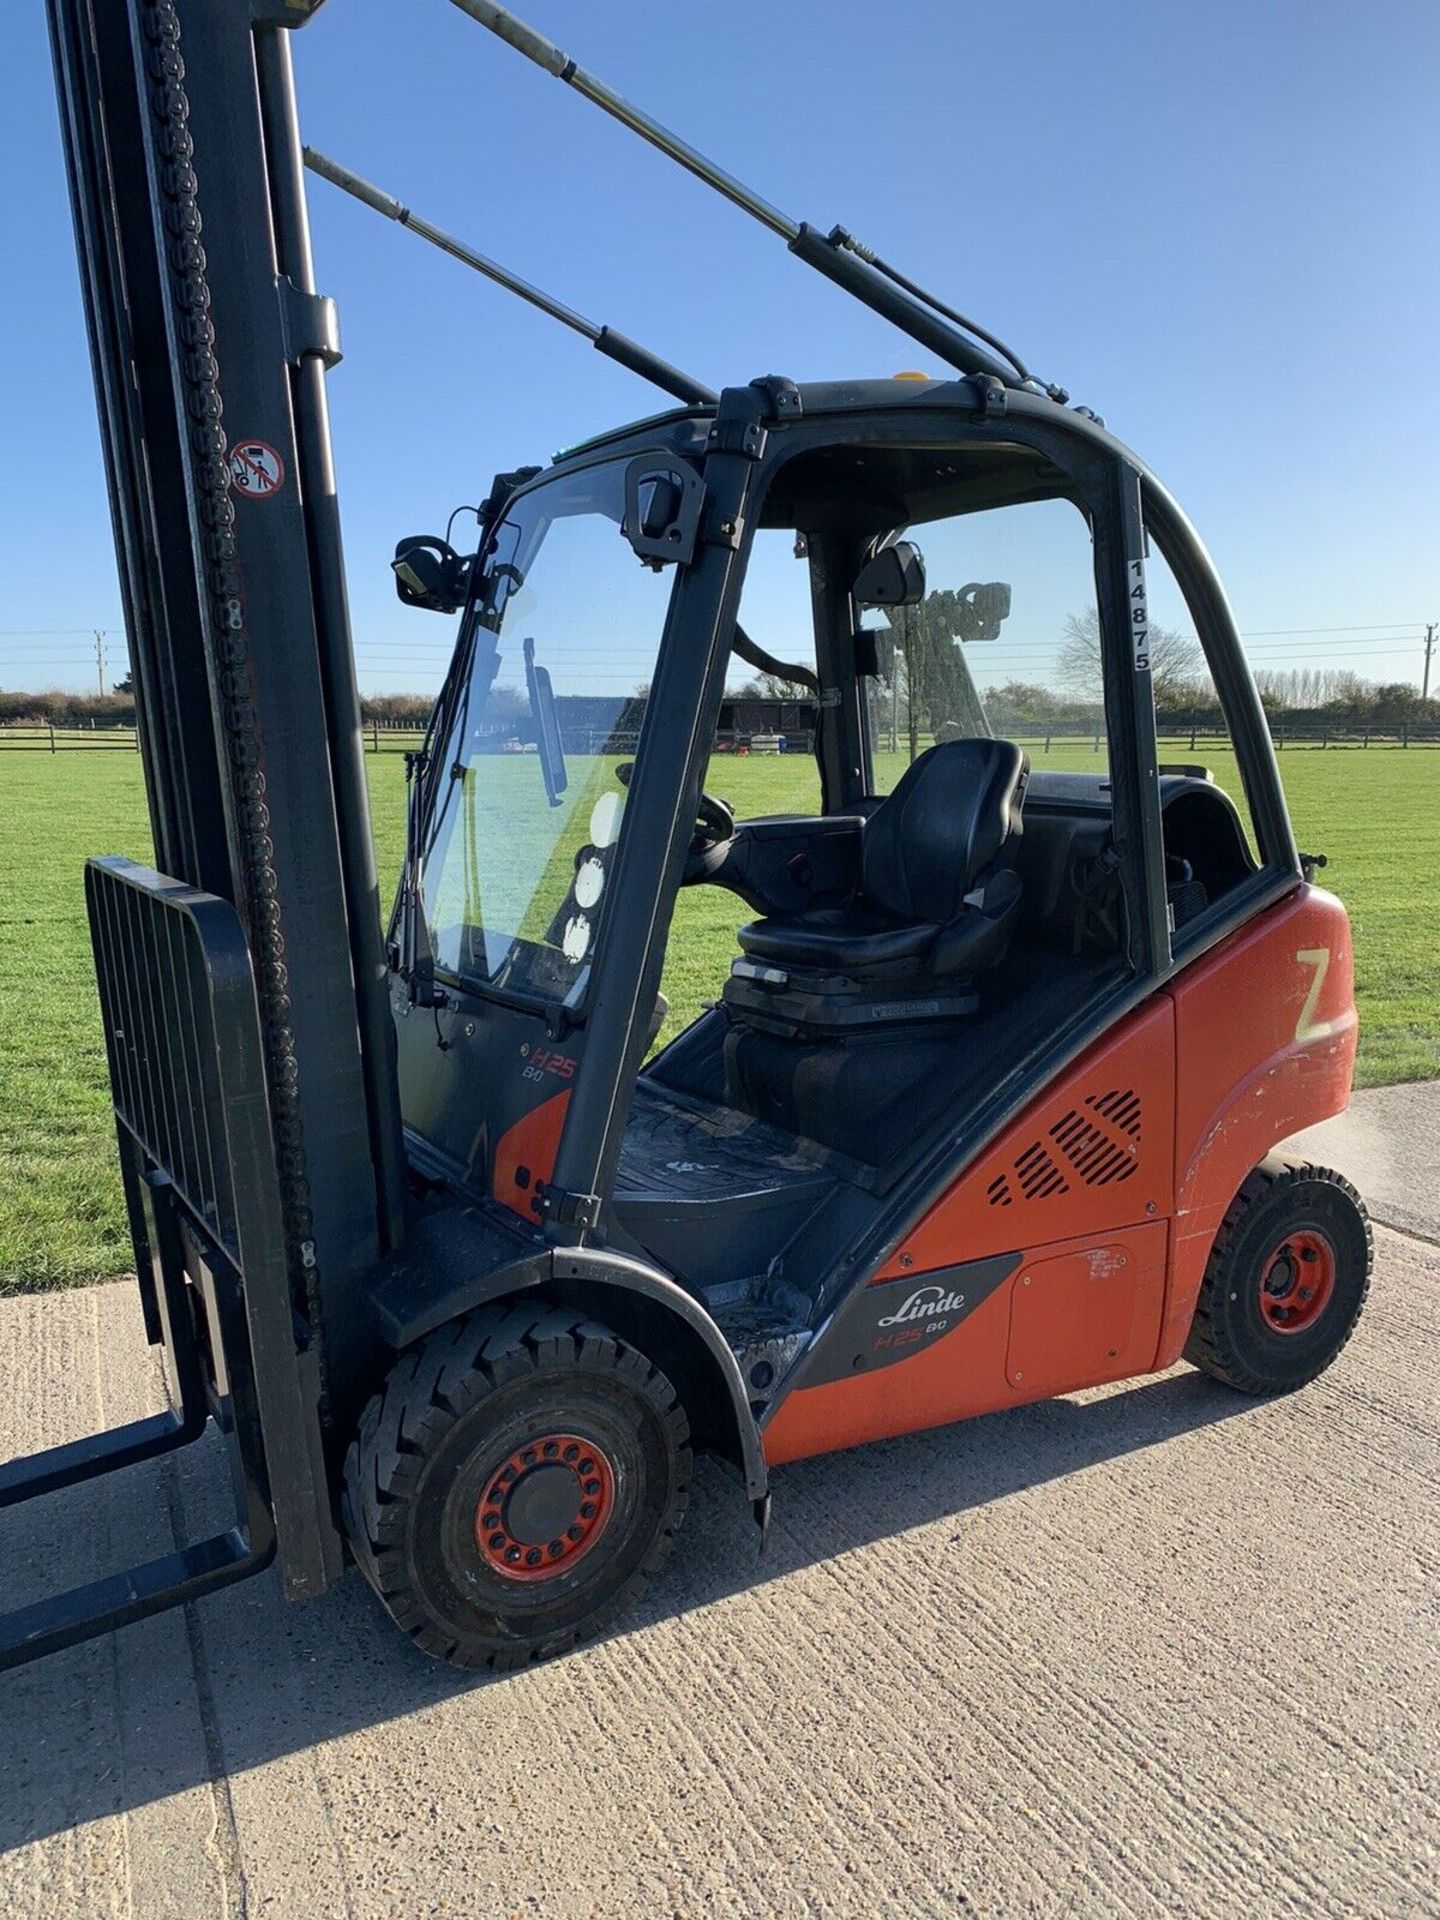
[[921, 852], [838, 937]]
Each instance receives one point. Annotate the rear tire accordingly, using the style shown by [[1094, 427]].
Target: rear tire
[[1285, 1282], [515, 1484]]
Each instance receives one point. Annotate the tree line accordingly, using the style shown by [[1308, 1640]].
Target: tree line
[[58, 708], [926, 687]]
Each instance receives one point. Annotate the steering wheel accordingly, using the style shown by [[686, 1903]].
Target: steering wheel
[[714, 828]]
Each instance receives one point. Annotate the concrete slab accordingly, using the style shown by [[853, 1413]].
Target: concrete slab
[[1148, 1650], [1388, 1143]]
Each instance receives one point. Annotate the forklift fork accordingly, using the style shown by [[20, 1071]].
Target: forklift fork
[[197, 1159]]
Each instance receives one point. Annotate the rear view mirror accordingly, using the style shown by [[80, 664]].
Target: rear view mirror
[[875, 652], [894, 577], [429, 573]]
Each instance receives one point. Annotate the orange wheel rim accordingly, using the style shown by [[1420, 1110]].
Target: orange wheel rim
[[544, 1507], [1296, 1282]]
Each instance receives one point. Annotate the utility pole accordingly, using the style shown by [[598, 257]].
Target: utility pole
[[99, 633], [1429, 649]]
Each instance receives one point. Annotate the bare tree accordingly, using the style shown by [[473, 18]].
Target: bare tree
[[774, 686], [1177, 663]]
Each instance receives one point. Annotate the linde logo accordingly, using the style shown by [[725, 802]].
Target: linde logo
[[923, 1304]]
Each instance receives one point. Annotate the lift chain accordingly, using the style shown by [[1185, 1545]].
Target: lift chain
[[259, 891]]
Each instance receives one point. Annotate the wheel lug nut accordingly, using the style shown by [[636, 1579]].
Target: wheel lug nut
[[572, 1453], [587, 1511], [557, 1547], [592, 1487], [512, 1554], [490, 1520], [587, 1465], [551, 1449], [497, 1541], [529, 1456], [532, 1558], [576, 1533]]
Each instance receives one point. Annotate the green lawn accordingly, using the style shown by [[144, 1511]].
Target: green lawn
[[1376, 813]]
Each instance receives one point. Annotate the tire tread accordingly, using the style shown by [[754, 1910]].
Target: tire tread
[[1209, 1345], [426, 1393]]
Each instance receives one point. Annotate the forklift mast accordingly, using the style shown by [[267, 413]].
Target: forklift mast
[[243, 987], [210, 347]]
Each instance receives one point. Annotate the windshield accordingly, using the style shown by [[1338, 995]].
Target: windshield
[[533, 774]]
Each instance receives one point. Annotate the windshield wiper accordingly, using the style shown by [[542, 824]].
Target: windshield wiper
[[547, 727], [417, 956]]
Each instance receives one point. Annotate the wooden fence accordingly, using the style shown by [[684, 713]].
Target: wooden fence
[[380, 737], [390, 737]]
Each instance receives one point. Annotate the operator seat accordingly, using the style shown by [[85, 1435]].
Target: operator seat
[[935, 905]]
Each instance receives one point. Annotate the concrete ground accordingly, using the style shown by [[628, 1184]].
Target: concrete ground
[[1146, 1650]]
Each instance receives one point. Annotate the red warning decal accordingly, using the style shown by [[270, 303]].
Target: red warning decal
[[256, 469]]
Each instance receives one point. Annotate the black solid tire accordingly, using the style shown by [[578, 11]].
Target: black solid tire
[[428, 1443], [1229, 1337]]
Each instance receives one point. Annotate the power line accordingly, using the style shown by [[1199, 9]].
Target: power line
[[1369, 626]]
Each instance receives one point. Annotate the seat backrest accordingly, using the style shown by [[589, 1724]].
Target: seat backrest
[[925, 846]]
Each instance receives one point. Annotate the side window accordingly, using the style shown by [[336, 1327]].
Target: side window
[[1191, 724], [1209, 842], [1006, 643], [763, 760]]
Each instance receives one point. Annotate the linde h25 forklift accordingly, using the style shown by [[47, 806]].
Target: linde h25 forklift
[[986, 1109]]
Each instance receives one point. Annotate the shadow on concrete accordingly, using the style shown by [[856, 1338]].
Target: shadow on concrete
[[242, 1678]]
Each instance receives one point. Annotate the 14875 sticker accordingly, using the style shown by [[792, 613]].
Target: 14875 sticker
[[1139, 617]]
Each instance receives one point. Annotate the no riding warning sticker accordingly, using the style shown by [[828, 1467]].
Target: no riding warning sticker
[[256, 469]]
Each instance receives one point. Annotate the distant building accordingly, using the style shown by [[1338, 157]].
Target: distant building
[[741, 720], [588, 723]]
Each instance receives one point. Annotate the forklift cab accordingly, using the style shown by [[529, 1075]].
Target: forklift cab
[[979, 1110], [909, 965]]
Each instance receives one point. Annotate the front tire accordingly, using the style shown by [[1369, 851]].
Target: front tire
[[515, 1484], [1285, 1282]]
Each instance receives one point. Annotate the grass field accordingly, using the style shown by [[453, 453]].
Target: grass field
[[1376, 813]]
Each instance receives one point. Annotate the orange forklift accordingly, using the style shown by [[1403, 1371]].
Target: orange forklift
[[462, 1268]]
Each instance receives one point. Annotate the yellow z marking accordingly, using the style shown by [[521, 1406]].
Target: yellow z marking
[[1308, 1027]]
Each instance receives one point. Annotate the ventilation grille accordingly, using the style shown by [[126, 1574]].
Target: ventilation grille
[[1120, 1109], [1038, 1174], [1099, 1146]]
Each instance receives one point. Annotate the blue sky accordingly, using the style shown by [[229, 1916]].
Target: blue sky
[[1215, 224]]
